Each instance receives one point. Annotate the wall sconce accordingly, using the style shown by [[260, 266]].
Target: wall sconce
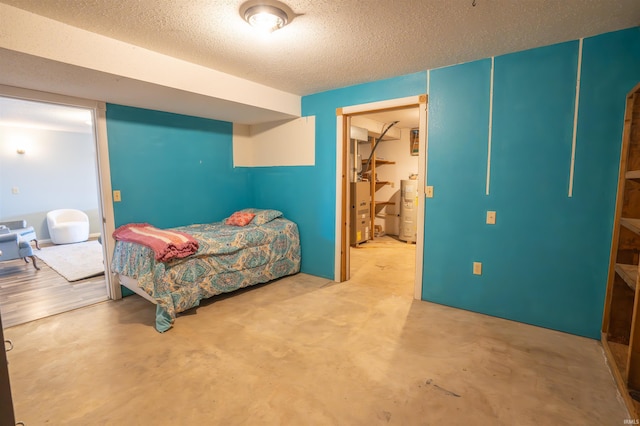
[[20, 151]]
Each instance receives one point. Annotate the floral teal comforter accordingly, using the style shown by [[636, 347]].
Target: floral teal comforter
[[228, 258]]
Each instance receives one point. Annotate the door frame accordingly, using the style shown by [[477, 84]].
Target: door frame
[[343, 119], [105, 200]]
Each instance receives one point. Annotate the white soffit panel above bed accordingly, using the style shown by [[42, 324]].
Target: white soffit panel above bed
[[39, 53], [281, 143]]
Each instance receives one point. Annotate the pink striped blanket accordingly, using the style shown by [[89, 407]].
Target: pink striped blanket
[[165, 243]]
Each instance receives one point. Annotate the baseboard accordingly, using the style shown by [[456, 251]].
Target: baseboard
[[47, 242]]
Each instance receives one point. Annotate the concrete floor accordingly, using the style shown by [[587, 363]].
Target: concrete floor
[[307, 351]]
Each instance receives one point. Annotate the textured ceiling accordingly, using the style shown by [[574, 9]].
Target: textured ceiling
[[334, 44]]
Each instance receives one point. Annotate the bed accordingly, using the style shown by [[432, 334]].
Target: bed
[[227, 258]]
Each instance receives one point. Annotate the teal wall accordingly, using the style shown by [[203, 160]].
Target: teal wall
[[307, 195], [545, 261], [173, 169]]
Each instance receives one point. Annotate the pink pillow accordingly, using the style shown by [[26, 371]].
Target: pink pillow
[[239, 219]]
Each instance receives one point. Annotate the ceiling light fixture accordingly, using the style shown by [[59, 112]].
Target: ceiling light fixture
[[266, 16]]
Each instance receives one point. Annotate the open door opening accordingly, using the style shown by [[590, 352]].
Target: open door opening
[[56, 148], [381, 151]]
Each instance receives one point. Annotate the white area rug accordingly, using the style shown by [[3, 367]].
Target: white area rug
[[74, 261]]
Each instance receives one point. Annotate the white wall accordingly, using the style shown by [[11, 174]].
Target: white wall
[[280, 143], [57, 170]]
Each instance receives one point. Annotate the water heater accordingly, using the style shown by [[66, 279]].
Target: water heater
[[408, 210]]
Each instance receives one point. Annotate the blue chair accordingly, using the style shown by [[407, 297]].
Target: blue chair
[[20, 227], [12, 246]]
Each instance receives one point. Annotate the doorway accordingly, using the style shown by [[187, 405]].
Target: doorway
[[53, 159], [407, 145]]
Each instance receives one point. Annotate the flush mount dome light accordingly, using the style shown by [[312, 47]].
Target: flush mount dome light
[[266, 16]]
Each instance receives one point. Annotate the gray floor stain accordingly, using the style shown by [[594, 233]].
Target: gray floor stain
[[445, 391]]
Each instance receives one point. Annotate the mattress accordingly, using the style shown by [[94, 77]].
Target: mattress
[[228, 258]]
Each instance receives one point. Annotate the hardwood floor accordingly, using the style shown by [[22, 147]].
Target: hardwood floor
[[27, 295]]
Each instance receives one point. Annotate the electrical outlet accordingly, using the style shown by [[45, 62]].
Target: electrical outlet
[[116, 196], [428, 191], [491, 218], [15, 190], [477, 268]]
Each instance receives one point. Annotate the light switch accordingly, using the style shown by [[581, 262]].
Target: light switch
[[428, 191], [491, 218], [477, 268], [15, 190], [116, 196]]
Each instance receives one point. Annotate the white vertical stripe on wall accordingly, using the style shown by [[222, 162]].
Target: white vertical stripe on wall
[[575, 120], [426, 130], [490, 127]]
